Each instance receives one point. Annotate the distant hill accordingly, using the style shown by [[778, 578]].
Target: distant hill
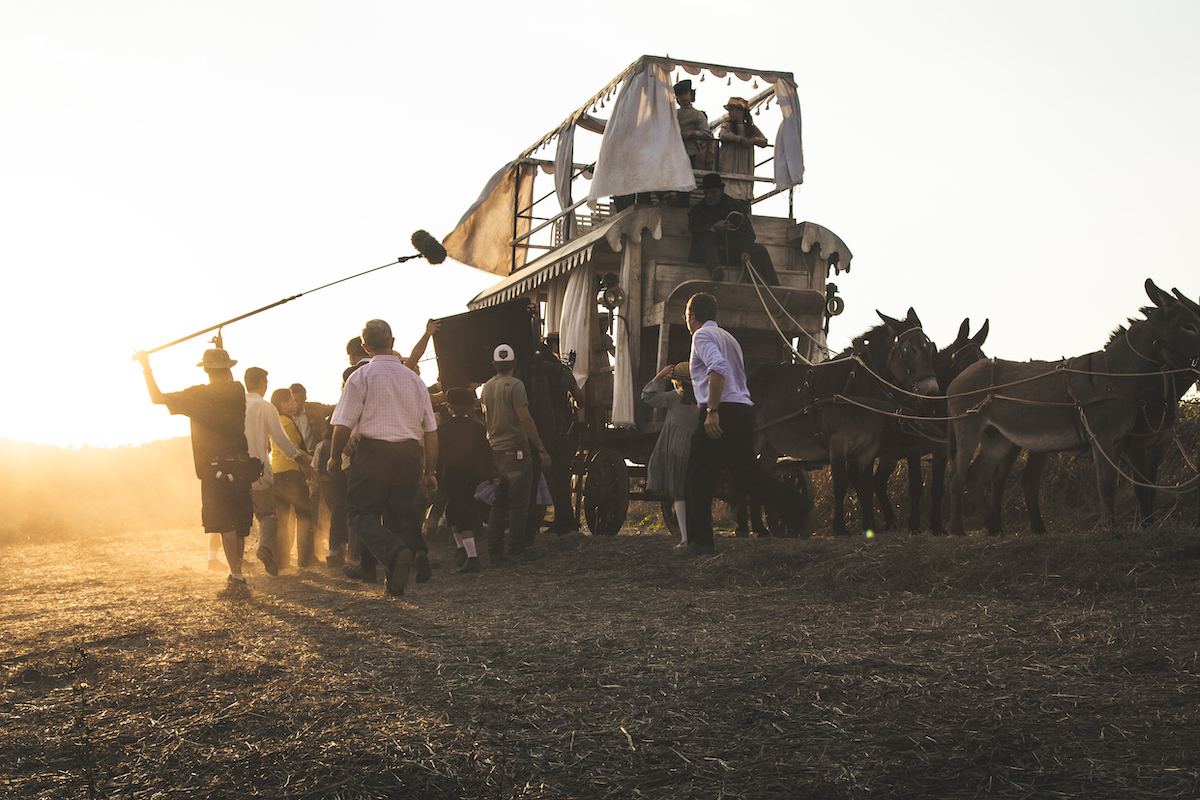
[[51, 493]]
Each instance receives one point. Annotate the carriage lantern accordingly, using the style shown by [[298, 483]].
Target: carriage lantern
[[611, 294]]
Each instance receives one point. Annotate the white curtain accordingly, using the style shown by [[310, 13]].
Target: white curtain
[[555, 291], [789, 149], [578, 320], [564, 168], [622, 408], [642, 149]]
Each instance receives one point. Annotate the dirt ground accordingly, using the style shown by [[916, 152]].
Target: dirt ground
[[892, 667]]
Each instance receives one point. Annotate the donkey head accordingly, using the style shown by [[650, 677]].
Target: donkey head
[[1176, 325], [909, 362], [964, 351]]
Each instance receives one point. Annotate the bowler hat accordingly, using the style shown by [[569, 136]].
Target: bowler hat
[[216, 358], [712, 181]]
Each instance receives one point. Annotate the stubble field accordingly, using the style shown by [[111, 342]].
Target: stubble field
[[891, 667]]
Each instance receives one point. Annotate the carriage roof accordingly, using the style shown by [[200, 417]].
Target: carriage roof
[[554, 247]]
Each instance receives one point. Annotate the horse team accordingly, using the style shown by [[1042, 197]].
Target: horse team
[[894, 395]]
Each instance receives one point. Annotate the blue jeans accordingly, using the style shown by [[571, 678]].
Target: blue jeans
[[512, 500]]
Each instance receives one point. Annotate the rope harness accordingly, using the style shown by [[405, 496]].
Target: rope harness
[[1064, 367]]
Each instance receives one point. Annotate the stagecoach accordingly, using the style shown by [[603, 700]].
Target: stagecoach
[[598, 253]]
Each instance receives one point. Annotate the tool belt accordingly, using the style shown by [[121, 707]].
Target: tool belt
[[237, 467]]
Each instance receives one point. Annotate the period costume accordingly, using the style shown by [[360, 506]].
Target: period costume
[[715, 248], [667, 468], [735, 157]]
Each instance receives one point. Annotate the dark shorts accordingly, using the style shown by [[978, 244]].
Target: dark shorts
[[226, 506], [462, 509]]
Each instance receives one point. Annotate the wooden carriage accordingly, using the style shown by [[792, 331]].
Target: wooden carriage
[[611, 275]]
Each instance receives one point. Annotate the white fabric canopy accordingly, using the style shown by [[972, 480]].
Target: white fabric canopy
[[789, 150], [642, 149]]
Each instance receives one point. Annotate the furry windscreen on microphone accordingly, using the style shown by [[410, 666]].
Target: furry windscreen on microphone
[[429, 247]]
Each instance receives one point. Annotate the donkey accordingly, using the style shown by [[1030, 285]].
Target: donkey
[[1144, 447], [911, 441], [835, 411], [1089, 401]]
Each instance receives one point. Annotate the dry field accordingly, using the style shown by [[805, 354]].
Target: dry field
[[892, 667]]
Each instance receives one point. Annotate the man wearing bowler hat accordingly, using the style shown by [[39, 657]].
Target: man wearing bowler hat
[[722, 233], [693, 126]]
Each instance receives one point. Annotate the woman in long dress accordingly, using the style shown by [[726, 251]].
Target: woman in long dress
[[739, 136], [668, 463]]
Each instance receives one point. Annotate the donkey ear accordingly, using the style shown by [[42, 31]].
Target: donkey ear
[[1186, 301], [981, 337], [964, 331], [1157, 295], [893, 325]]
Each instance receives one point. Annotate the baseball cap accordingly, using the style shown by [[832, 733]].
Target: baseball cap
[[503, 354]]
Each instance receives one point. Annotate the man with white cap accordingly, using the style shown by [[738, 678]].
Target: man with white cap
[[217, 411], [512, 433]]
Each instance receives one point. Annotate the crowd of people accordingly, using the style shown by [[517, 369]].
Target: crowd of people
[[386, 463], [383, 462]]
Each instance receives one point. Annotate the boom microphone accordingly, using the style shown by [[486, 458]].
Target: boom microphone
[[429, 247], [426, 245]]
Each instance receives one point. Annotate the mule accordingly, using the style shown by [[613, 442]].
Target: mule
[[835, 412], [911, 441], [1090, 401], [1144, 448]]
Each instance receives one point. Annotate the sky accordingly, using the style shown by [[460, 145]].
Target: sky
[[168, 166]]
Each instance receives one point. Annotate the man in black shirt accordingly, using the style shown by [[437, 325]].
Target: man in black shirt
[[217, 411]]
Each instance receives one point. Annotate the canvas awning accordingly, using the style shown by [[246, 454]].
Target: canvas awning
[[572, 254]]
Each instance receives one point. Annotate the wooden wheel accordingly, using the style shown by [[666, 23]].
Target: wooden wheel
[[606, 493], [798, 479], [669, 518]]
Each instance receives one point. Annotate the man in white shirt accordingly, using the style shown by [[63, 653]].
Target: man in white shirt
[[388, 407], [263, 427], [725, 435]]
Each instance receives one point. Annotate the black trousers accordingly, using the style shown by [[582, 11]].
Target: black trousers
[[734, 451], [382, 497]]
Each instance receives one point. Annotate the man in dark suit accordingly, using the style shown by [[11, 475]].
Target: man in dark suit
[[722, 233]]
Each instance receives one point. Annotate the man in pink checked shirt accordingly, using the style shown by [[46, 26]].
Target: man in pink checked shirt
[[388, 406]]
